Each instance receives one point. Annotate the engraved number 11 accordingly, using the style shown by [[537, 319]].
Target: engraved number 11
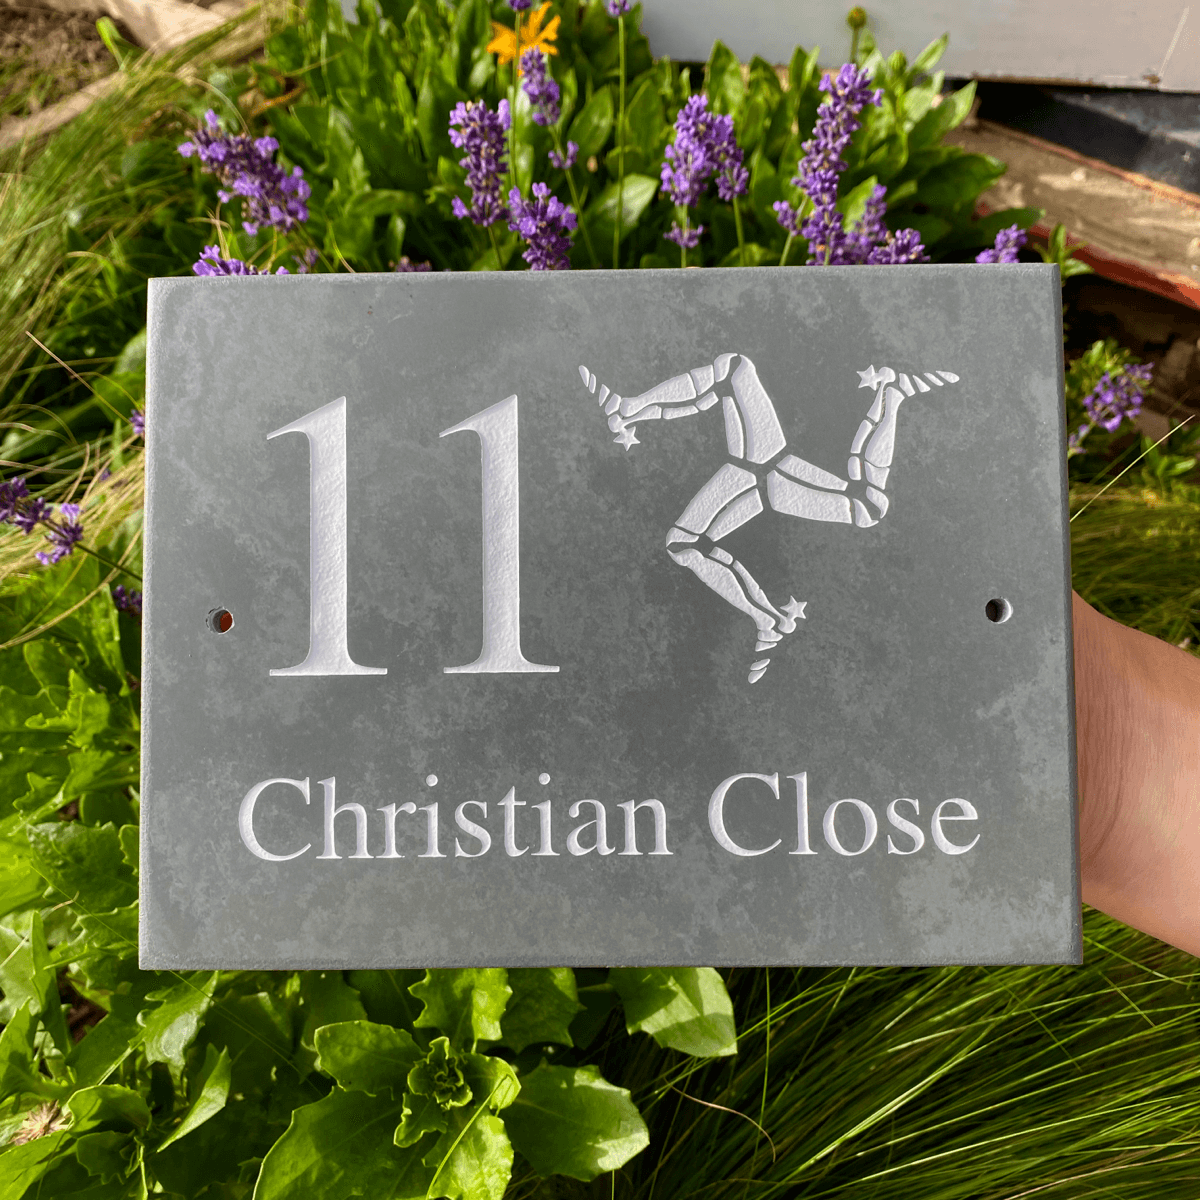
[[328, 652]]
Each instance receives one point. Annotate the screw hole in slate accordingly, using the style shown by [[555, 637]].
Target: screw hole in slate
[[220, 620], [998, 611]]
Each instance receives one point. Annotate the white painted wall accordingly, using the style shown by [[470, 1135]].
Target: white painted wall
[[1114, 43]]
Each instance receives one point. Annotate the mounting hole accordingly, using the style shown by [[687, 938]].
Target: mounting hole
[[998, 611], [220, 620]]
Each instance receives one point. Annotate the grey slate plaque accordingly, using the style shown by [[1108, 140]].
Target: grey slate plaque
[[642, 618]]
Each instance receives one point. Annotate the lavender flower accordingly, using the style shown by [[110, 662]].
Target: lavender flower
[[544, 222], [247, 168], [63, 537], [18, 508], [1008, 242], [12, 492], [407, 266], [818, 176], [686, 238], [211, 263], [901, 247], [704, 146], [479, 131], [564, 162], [306, 261], [127, 601], [618, 8], [1114, 399], [543, 92], [137, 419], [519, 5]]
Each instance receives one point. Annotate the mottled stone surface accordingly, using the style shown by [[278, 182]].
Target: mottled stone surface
[[895, 684]]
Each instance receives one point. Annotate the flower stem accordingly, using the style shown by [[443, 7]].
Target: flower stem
[[587, 237], [737, 216], [108, 562], [512, 111], [495, 247], [787, 246], [683, 241], [620, 145]]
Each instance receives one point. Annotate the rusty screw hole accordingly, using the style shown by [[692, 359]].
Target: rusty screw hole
[[220, 620]]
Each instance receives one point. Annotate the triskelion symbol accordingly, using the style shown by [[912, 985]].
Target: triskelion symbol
[[792, 486]]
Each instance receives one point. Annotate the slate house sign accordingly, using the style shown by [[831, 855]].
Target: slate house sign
[[655, 618]]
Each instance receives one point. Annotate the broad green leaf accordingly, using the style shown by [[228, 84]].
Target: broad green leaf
[[107, 1102], [466, 1005], [107, 1155], [169, 1029], [471, 1163], [492, 1081], [342, 1146], [571, 1121], [84, 863], [106, 1045], [212, 1091], [22, 1166], [422, 1115], [50, 664], [28, 977], [646, 127], [544, 1003], [18, 1064], [852, 204], [591, 127], [929, 56], [601, 214], [366, 1057], [937, 122], [440, 1075], [682, 1008], [326, 999], [257, 1032], [385, 995], [723, 80]]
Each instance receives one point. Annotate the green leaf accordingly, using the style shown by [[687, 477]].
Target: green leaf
[[170, 1028], [106, 1045], [341, 1146], [472, 1163], [929, 56], [571, 1121], [544, 1003], [439, 1074], [28, 977], [682, 1008], [83, 862], [601, 214], [212, 1091], [107, 1155], [591, 127], [107, 1102], [422, 1115], [22, 1166], [723, 80], [18, 1063], [385, 995], [939, 121], [366, 1057], [466, 1005]]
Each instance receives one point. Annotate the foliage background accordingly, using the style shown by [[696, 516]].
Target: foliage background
[[954, 1082]]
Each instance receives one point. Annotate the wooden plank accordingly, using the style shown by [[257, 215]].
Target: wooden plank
[[1137, 231]]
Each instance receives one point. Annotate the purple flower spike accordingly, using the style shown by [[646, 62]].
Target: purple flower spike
[[127, 601], [211, 263], [688, 239], [519, 5], [1114, 400], [12, 492], [704, 146], [406, 266], [31, 514], [306, 261], [63, 537], [544, 222], [542, 91], [1008, 242], [480, 132], [618, 8], [137, 419], [564, 162], [246, 167], [902, 247]]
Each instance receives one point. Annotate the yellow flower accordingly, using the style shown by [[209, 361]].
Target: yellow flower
[[504, 40]]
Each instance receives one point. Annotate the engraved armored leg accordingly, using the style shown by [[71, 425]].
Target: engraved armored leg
[[725, 503]]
